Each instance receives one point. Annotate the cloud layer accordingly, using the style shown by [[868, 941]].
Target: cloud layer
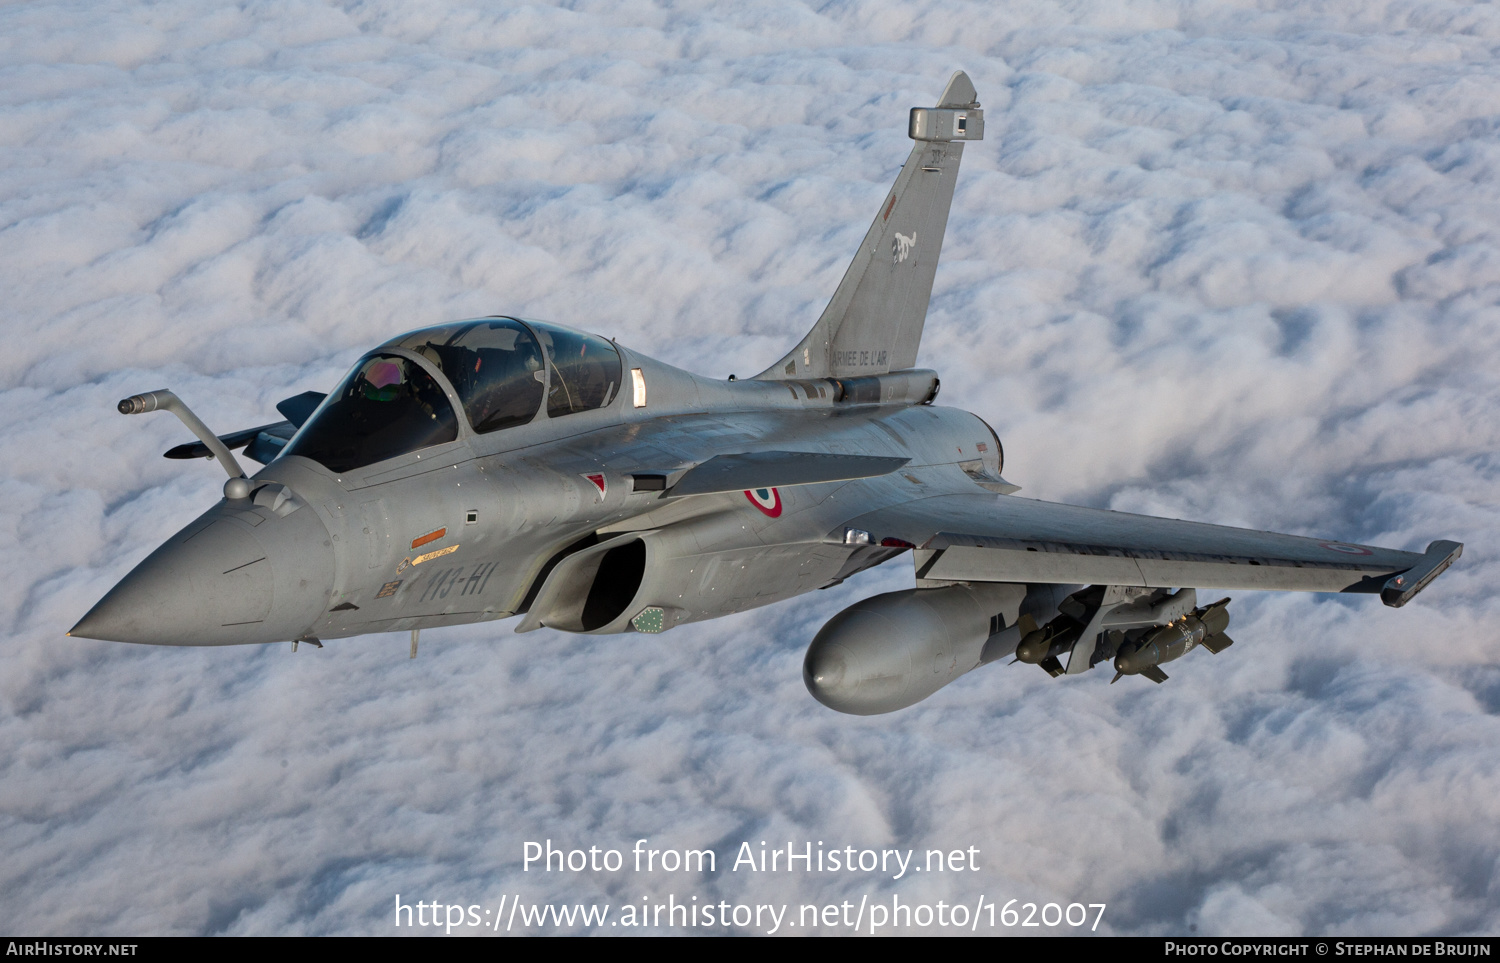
[[1212, 261]]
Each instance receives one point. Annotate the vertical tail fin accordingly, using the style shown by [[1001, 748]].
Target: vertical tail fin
[[874, 322]]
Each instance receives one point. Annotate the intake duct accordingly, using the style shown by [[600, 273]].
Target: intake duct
[[590, 587], [615, 584]]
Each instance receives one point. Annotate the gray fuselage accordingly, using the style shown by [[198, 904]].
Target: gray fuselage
[[491, 525]]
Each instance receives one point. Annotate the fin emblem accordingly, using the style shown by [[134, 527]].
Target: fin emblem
[[901, 246]]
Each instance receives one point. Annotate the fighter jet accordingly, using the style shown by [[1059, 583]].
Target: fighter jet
[[501, 467]]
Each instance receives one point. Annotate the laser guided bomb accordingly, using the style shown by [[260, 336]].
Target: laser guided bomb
[[497, 467], [1042, 646], [1139, 633], [1204, 627]]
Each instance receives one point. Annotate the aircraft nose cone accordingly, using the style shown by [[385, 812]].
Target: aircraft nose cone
[[232, 576]]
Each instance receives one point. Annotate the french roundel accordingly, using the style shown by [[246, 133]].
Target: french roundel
[[1346, 549], [768, 500]]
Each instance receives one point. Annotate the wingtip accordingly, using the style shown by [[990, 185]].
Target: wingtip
[[1404, 586]]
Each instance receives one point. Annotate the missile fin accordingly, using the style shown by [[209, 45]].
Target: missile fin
[[1217, 643], [1054, 668], [1155, 674]]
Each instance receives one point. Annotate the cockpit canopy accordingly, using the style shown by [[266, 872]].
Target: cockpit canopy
[[495, 367], [500, 369]]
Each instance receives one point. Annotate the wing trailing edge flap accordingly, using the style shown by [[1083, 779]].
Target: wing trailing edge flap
[[1008, 539], [778, 469]]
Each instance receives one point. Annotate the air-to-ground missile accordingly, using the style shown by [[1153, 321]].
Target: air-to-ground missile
[[1204, 627], [1053, 638], [1042, 646]]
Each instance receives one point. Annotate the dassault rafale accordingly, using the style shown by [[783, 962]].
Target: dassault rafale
[[504, 467]]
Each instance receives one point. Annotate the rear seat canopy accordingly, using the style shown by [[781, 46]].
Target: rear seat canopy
[[495, 367], [585, 370], [501, 368]]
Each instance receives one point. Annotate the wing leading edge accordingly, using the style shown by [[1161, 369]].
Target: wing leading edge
[[987, 538]]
